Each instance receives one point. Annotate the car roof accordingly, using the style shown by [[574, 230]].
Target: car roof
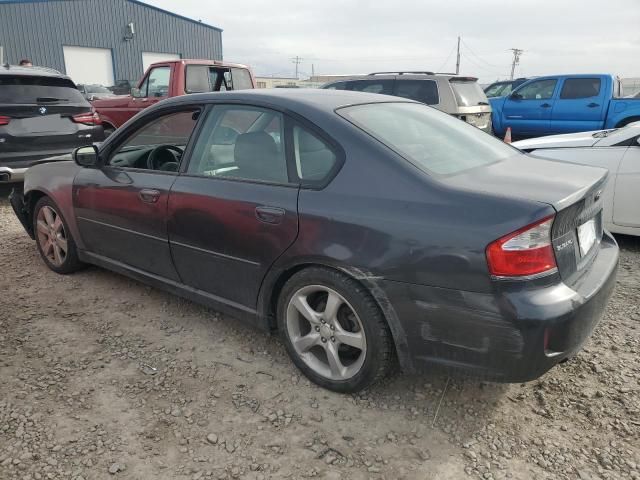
[[200, 61], [30, 71], [403, 76], [294, 99]]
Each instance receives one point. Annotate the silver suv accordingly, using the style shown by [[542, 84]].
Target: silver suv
[[459, 96]]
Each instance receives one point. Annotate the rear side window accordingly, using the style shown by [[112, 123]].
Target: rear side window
[[17, 89], [580, 88], [241, 79], [372, 86], [314, 157], [468, 94], [425, 91]]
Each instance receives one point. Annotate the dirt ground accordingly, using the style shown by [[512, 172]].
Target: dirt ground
[[103, 377]]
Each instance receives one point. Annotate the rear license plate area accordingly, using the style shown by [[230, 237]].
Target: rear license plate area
[[587, 236], [49, 123]]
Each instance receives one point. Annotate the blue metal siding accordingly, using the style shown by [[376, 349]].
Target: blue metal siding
[[38, 30]]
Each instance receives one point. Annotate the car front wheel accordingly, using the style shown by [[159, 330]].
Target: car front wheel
[[55, 244], [334, 331]]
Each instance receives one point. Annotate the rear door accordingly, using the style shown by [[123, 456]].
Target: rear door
[[233, 210], [580, 105], [528, 109], [38, 118]]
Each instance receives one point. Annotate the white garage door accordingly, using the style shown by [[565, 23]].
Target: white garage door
[[89, 65], [152, 57]]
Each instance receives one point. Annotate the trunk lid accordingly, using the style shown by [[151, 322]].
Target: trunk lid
[[574, 191]]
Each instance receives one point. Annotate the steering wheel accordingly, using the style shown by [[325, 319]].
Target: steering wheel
[[155, 156]]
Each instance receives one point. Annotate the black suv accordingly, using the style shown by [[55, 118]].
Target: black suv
[[42, 114]]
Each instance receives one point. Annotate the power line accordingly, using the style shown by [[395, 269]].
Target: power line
[[477, 56], [297, 60], [439, 69]]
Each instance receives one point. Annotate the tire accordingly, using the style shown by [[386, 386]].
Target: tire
[[314, 345], [108, 131], [52, 234]]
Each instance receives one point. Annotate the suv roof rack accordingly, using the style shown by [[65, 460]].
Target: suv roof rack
[[402, 73]]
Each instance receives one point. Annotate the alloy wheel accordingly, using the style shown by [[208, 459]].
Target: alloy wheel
[[52, 237], [326, 332]]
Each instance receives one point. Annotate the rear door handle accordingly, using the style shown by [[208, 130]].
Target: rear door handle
[[545, 105], [148, 195], [593, 105], [271, 215]]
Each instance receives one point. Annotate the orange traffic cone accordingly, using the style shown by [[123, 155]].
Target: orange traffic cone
[[507, 137]]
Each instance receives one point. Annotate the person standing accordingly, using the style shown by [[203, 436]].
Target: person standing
[[25, 62]]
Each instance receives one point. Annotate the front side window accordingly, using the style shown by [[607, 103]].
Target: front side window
[[158, 145], [314, 157], [241, 79], [157, 83], [425, 91], [372, 86], [433, 141], [537, 90], [580, 88], [241, 142]]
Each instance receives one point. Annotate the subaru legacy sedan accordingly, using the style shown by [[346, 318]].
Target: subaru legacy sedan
[[360, 227]]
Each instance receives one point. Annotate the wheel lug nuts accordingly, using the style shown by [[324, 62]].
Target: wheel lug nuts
[[323, 321], [333, 339], [317, 329], [332, 327], [324, 340]]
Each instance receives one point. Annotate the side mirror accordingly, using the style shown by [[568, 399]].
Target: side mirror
[[515, 96], [136, 93], [86, 156]]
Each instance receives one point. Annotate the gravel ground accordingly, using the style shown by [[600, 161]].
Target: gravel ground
[[102, 377]]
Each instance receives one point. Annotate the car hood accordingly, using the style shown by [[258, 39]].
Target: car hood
[[526, 177], [581, 139]]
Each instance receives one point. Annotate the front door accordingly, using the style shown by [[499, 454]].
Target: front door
[[233, 210], [121, 208], [528, 110], [154, 87], [626, 203]]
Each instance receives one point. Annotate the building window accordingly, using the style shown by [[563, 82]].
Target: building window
[[262, 84]]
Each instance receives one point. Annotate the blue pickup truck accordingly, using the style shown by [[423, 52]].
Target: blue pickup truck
[[564, 104]]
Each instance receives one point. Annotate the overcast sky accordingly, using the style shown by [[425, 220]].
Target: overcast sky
[[356, 36]]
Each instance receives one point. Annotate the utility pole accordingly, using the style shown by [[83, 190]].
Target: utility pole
[[516, 60], [313, 71], [458, 58], [297, 60]]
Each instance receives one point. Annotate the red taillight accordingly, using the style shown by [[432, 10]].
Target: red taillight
[[4, 120], [89, 118], [525, 252]]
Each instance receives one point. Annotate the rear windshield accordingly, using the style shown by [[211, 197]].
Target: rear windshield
[[33, 90], [205, 78], [433, 141], [468, 94]]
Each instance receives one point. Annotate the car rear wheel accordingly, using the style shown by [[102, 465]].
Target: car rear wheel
[[55, 244], [334, 331]]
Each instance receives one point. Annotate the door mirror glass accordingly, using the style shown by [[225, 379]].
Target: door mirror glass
[[136, 93], [86, 156]]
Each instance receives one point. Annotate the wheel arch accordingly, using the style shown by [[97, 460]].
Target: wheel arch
[[628, 120], [273, 284]]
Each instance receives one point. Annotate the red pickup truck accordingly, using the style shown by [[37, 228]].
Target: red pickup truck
[[171, 79]]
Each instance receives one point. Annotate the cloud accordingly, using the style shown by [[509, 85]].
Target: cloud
[[356, 36]]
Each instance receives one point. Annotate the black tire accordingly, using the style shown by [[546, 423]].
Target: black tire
[[380, 354], [71, 262]]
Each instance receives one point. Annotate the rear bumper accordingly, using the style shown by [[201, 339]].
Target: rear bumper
[[11, 175], [512, 335]]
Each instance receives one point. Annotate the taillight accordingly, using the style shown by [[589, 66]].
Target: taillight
[[525, 252], [89, 118], [4, 120]]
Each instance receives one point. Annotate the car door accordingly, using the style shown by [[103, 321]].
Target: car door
[[626, 204], [580, 106], [233, 210], [154, 87], [121, 207], [528, 109]]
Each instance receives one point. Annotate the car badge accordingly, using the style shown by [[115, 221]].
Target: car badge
[[42, 110], [597, 196]]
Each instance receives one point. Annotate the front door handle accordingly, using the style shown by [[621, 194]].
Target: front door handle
[[271, 215], [593, 105], [545, 105], [148, 195]]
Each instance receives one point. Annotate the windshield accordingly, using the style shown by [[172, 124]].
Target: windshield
[[498, 90], [96, 89], [468, 94], [18, 89], [433, 141]]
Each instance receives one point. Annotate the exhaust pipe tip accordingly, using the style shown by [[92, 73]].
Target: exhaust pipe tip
[[5, 177]]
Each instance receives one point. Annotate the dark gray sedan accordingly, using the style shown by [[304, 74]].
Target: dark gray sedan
[[360, 227]]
